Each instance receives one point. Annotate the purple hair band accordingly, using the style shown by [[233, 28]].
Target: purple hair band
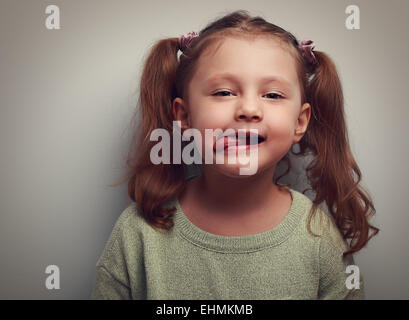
[[185, 41], [306, 48]]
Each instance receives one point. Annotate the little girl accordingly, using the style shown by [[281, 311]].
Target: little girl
[[221, 234]]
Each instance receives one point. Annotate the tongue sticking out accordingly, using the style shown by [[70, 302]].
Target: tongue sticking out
[[226, 142]]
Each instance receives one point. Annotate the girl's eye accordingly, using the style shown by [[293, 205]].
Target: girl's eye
[[222, 93], [274, 96]]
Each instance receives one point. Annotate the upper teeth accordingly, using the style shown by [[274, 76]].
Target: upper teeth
[[251, 139], [248, 137]]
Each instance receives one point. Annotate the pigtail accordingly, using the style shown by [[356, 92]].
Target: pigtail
[[333, 173], [150, 186]]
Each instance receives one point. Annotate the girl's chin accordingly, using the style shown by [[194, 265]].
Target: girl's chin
[[236, 170], [249, 167], [236, 164]]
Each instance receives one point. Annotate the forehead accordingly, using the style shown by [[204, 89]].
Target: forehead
[[257, 59]]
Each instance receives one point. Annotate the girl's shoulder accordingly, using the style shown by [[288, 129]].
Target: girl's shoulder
[[129, 224], [127, 236], [129, 218], [319, 222], [131, 221]]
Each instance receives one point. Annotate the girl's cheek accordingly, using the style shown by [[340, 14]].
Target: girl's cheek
[[280, 126], [210, 121]]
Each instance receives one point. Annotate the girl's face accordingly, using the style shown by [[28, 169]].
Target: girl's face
[[246, 84]]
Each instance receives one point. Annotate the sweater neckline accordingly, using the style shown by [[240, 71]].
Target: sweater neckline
[[240, 244]]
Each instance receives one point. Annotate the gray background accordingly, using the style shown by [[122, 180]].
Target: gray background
[[67, 96]]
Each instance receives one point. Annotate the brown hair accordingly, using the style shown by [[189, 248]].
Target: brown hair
[[333, 173]]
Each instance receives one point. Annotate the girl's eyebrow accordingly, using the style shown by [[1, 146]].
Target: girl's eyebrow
[[233, 78]]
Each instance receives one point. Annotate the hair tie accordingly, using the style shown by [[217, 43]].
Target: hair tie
[[185, 41], [306, 48]]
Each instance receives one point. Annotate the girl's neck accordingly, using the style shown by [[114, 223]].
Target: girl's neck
[[219, 193]]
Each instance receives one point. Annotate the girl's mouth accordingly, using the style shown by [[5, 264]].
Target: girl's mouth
[[238, 141]]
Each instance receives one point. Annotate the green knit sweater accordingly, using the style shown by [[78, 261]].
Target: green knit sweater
[[186, 262]]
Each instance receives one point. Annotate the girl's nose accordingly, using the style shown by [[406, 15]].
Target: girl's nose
[[249, 112]]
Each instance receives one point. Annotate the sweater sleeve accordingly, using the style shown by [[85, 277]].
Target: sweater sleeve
[[109, 287], [119, 270], [333, 267]]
